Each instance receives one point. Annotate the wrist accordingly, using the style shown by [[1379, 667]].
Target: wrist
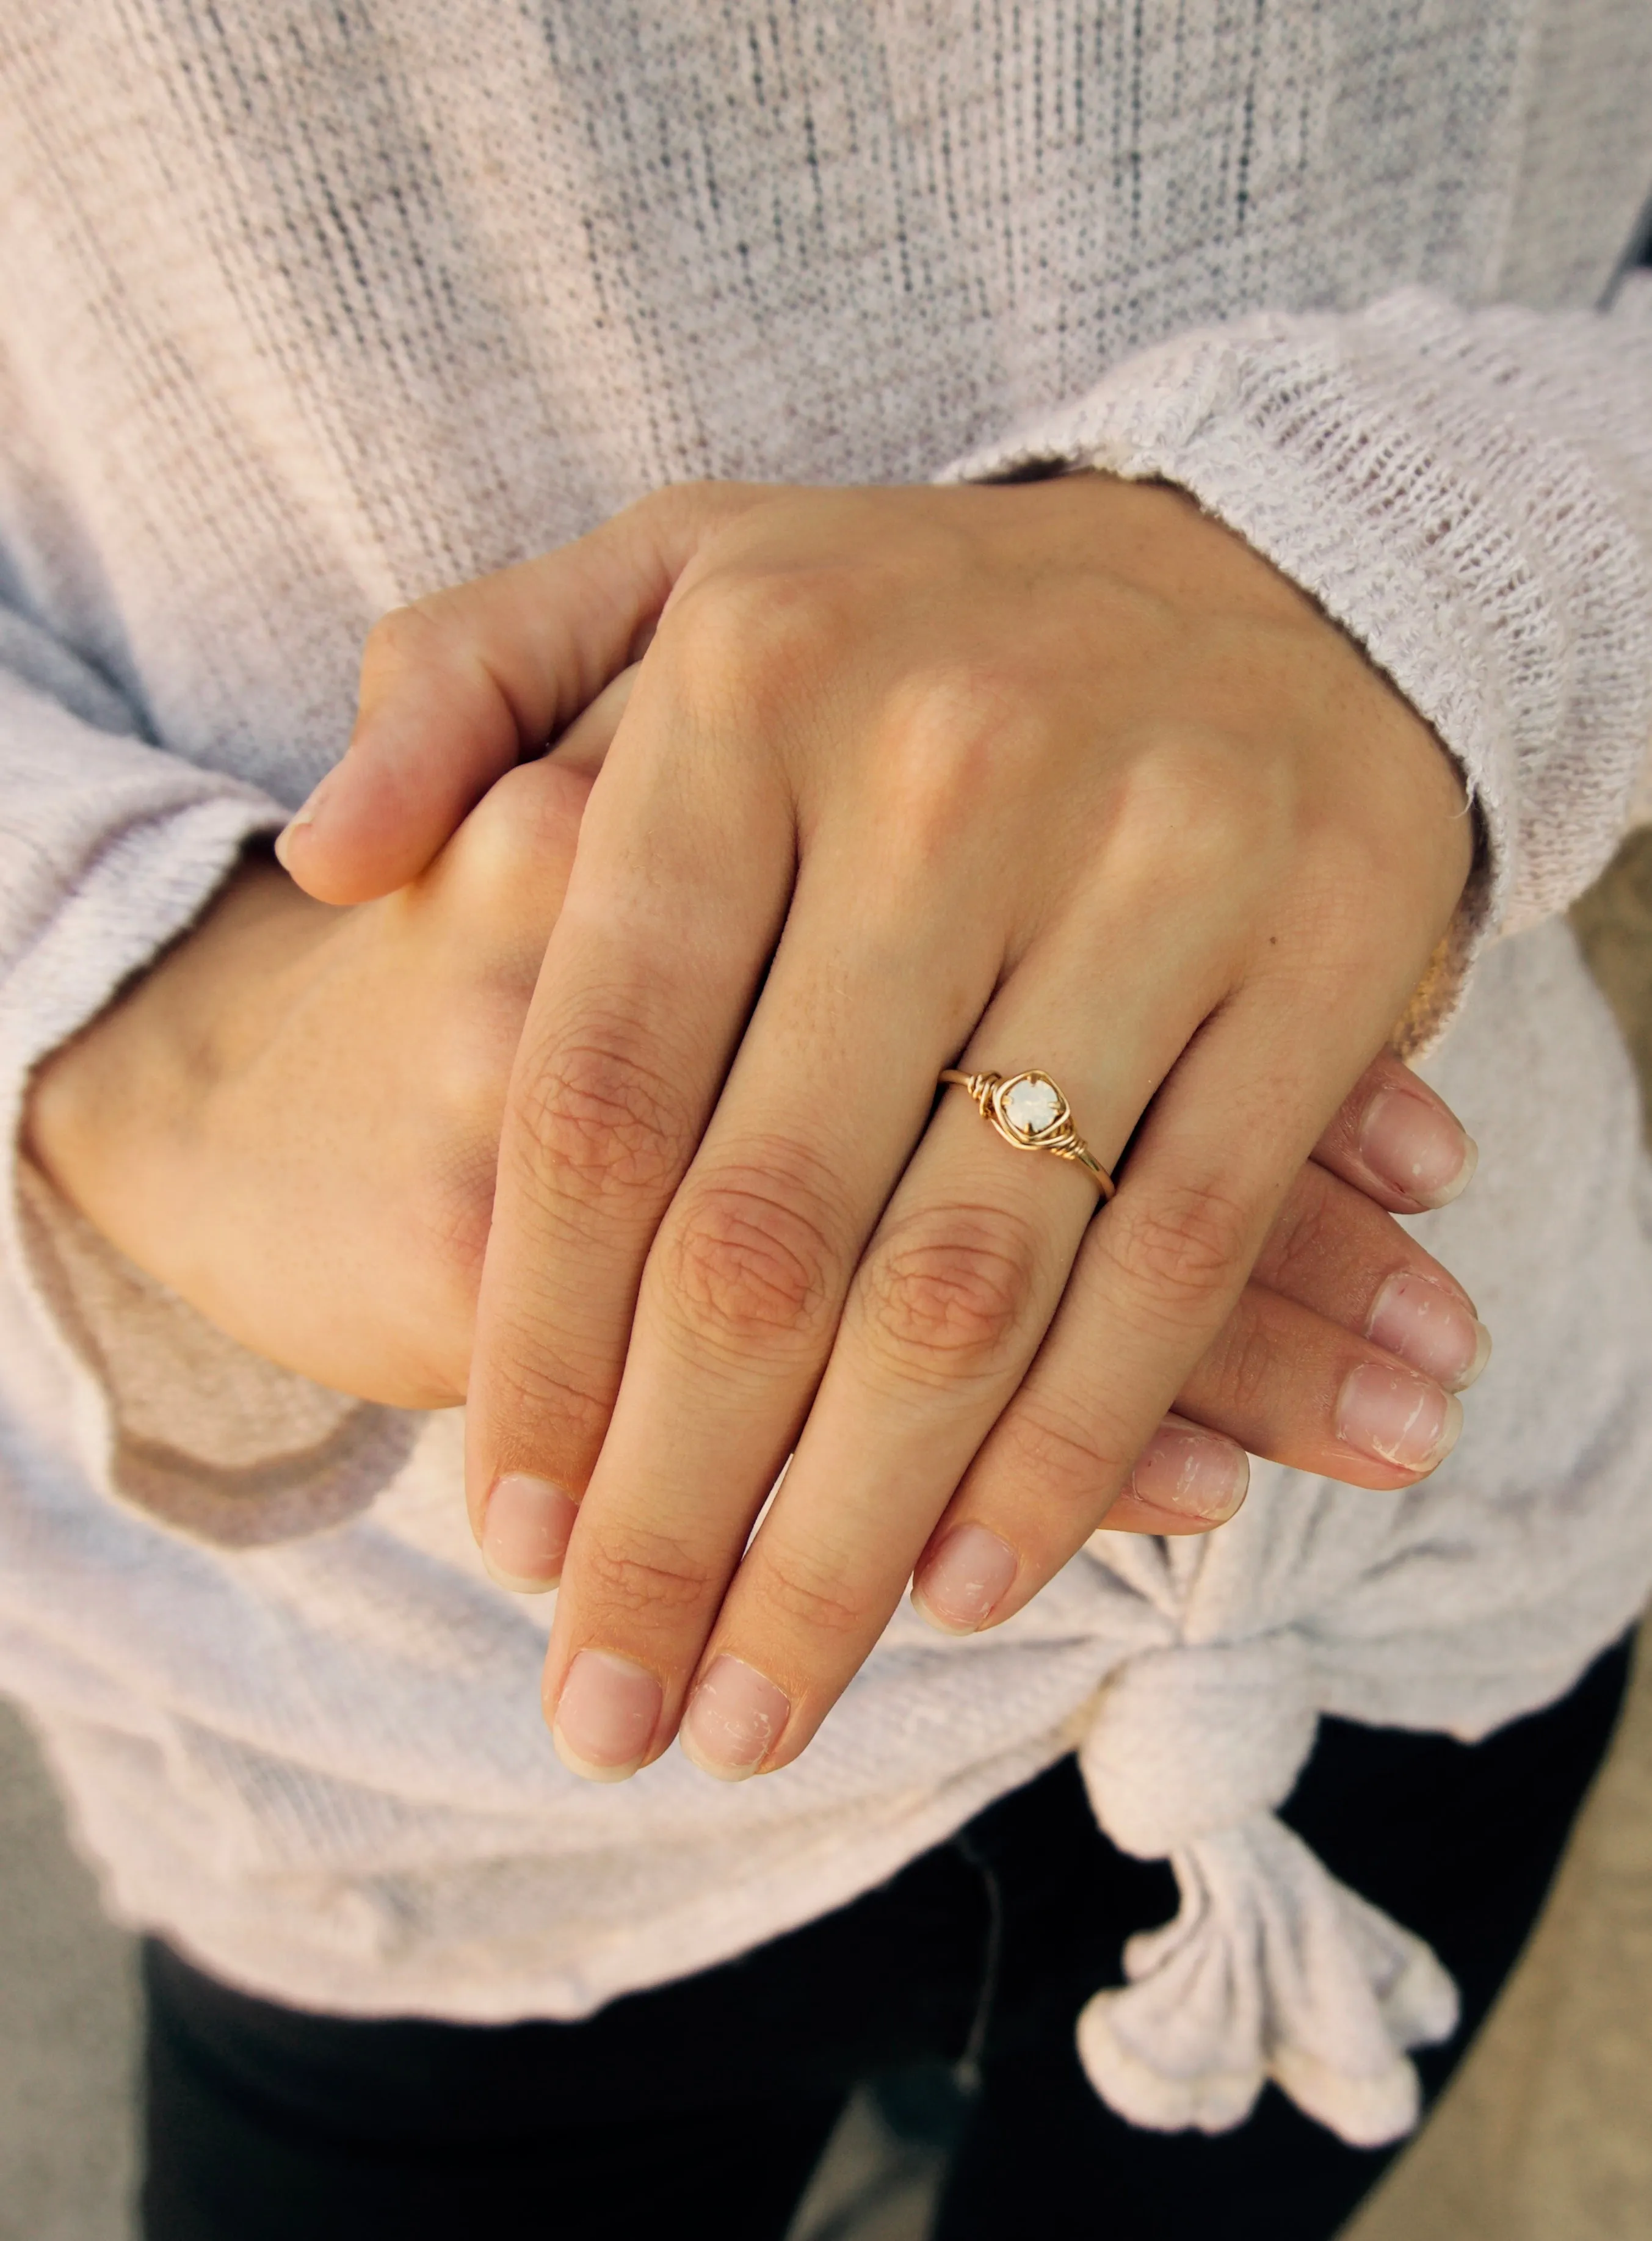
[[120, 1108]]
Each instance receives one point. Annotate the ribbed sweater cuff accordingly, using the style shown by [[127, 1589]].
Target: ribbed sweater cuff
[[144, 886]]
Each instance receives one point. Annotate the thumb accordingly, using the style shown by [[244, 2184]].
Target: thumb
[[457, 687]]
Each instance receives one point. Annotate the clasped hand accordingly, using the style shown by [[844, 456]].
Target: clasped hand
[[1061, 777]]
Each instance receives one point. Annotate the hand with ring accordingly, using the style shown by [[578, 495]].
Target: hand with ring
[[1060, 782]]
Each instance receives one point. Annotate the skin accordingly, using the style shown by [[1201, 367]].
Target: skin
[[293, 1119], [1063, 775]]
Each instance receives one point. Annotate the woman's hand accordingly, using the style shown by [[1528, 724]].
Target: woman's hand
[[1060, 777], [293, 1118]]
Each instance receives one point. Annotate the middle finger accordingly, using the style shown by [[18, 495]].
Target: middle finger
[[952, 1300], [738, 1316]]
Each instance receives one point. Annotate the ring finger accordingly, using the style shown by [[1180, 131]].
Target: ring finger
[[951, 1302], [1375, 1407], [947, 1307], [1154, 1283]]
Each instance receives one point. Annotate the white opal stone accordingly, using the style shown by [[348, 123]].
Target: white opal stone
[[1031, 1107]]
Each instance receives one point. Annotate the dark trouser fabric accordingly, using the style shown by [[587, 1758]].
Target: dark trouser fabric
[[702, 2107]]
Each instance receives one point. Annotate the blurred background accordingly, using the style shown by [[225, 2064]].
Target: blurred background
[[1545, 2136]]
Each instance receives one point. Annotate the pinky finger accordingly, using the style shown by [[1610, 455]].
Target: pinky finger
[[1393, 1139], [1287, 1383]]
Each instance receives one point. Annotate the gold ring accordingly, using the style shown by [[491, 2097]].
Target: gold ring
[[1029, 1111]]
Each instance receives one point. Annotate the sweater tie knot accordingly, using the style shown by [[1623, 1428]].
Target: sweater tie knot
[[1271, 1969], [1194, 1739]]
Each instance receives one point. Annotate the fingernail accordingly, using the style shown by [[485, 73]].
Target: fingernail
[[605, 1715], [1418, 1147], [306, 815], [1402, 1419], [524, 1532], [733, 1720], [1192, 1472], [965, 1579], [1431, 1327]]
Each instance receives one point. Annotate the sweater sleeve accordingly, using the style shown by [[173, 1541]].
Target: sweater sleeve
[[1469, 494], [109, 847]]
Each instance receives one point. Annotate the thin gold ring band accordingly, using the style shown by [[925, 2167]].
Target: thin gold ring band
[[1029, 1111]]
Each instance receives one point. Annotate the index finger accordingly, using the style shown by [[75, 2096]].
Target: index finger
[[676, 899]]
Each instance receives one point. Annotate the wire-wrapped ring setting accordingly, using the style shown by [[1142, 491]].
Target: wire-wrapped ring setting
[[1029, 1111]]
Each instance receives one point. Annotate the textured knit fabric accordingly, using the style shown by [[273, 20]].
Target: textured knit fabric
[[263, 2123], [306, 309]]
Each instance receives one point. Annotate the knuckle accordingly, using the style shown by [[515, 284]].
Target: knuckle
[[646, 1573], [762, 633], [968, 698], [948, 1291], [1181, 1248], [530, 814], [549, 1402], [1197, 809], [1184, 783], [809, 1593], [954, 733], [750, 1258], [596, 1117], [401, 639], [1048, 1451]]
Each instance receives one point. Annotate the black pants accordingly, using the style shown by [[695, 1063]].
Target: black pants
[[702, 2107]]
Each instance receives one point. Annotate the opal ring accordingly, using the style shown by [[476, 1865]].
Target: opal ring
[[1029, 1111]]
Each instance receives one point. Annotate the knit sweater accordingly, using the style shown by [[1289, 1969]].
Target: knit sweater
[[306, 311]]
